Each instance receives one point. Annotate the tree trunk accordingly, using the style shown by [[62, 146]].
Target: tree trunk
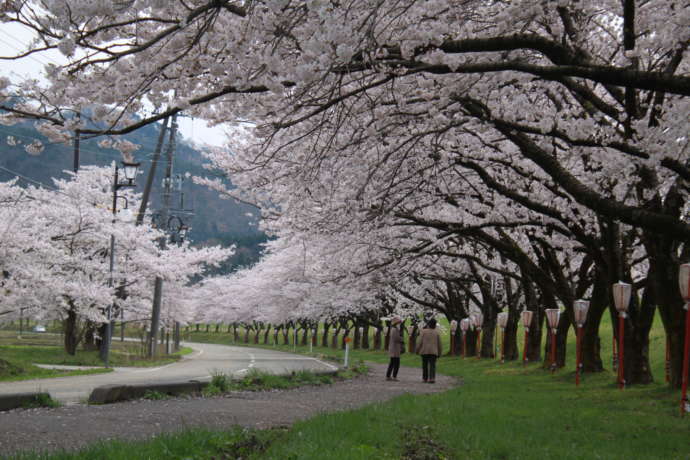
[[377, 338], [71, 333], [365, 337], [591, 342], [324, 338], [356, 343], [266, 334]]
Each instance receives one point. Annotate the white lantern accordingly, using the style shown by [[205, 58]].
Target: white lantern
[[477, 320], [502, 319], [684, 281], [464, 324], [453, 326], [526, 317], [552, 316], [621, 297], [581, 309]]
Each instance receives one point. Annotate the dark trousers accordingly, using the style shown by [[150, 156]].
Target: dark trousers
[[429, 367], [393, 368]]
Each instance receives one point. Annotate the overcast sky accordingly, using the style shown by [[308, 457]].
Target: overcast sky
[[15, 38]]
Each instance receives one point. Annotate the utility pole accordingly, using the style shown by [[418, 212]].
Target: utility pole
[[167, 195], [75, 166]]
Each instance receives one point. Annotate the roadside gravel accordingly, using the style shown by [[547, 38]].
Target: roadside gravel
[[73, 426]]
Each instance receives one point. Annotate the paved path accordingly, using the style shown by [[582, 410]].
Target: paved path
[[74, 426], [206, 360]]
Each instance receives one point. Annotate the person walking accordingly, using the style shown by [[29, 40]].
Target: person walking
[[429, 346], [396, 346]]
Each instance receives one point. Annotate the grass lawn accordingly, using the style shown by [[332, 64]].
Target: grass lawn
[[44, 348], [501, 411]]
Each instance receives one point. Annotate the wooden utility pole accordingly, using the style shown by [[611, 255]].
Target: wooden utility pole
[[167, 194]]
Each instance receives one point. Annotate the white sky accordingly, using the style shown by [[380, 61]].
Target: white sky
[[15, 38]]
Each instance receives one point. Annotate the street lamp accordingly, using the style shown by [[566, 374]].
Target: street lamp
[[130, 172], [526, 317], [502, 320], [684, 284], [621, 299], [552, 317], [464, 326], [581, 308], [477, 321]]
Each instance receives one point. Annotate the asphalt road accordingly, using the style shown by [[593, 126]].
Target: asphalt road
[[206, 360]]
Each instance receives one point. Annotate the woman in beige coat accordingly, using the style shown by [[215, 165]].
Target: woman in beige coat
[[395, 347], [429, 346]]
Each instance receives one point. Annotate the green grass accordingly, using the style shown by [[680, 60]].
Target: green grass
[[503, 411], [22, 354], [257, 380], [499, 412], [194, 444]]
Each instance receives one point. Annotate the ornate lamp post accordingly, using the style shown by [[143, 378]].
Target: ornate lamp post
[[526, 317], [464, 326], [621, 299], [502, 320], [581, 308], [684, 283], [130, 173], [453, 329], [477, 321], [552, 317]]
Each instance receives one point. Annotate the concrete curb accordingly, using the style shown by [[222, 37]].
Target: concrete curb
[[13, 401], [107, 394]]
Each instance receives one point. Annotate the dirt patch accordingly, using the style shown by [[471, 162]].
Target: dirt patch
[[73, 426], [421, 444]]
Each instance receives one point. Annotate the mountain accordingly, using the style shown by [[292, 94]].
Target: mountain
[[214, 220]]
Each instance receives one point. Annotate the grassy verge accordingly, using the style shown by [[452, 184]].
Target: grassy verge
[[11, 371], [500, 412], [20, 355], [256, 380], [194, 444]]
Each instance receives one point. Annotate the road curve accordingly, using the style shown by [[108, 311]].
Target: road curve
[[206, 360]]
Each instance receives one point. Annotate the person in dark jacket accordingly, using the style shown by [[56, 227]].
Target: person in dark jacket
[[429, 346], [395, 347]]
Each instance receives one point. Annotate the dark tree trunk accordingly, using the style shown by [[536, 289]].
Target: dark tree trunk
[[257, 333], [89, 343], [356, 343], [324, 338], [71, 333], [365, 337], [286, 336], [266, 334], [305, 336], [535, 336], [591, 343], [378, 334], [510, 347], [246, 335]]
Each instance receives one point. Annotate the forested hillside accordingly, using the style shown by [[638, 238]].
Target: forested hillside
[[215, 220]]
